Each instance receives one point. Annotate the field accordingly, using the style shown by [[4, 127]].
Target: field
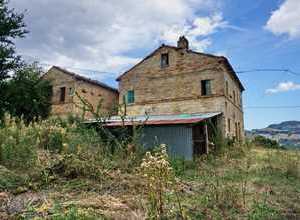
[[61, 170]]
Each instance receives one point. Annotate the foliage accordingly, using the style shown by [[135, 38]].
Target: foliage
[[27, 95], [266, 142], [12, 27], [158, 175], [18, 144], [261, 210], [9, 180], [70, 162]]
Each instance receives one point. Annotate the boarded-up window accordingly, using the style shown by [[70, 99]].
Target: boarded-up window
[[164, 61], [62, 97], [130, 96], [206, 87]]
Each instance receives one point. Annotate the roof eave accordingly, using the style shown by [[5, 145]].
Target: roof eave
[[78, 77]]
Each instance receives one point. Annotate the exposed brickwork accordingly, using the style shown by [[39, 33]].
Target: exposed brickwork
[[177, 87], [91, 92]]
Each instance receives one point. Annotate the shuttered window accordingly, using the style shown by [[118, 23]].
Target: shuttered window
[[130, 96]]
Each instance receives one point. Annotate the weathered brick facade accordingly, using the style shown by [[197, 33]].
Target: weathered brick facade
[[177, 87], [92, 91]]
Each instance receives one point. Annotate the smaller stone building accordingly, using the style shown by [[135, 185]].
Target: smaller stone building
[[69, 87]]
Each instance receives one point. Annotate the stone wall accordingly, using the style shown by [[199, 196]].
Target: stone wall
[[96, 95], [233, 109], [89, 91], [59, 80]]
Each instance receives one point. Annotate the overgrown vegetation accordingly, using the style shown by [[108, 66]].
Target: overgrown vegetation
[[63, 169], [266, 142]]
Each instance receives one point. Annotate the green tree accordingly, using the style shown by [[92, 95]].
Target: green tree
[[28, 95], [11, 27]]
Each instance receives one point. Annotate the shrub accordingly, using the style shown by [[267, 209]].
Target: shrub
[[18, 144], [158, 175], [265, 142]]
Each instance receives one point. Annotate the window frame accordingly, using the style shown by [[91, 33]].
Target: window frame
[[62, 94], [130, 97], [166, 56], [206, 91]]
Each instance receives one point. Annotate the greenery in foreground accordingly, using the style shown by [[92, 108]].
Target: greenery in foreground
[[60, 169]]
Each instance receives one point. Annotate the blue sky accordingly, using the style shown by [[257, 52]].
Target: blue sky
[[97, 36]]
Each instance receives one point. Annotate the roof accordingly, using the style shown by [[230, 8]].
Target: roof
[[116, 121], [86, 79], [221, 58]]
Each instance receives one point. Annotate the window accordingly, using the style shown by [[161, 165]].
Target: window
[[236, 131], [227, 89], [164, 60], [228, 125], [130, 96], [206, 87], [226, 106], [71, 91], [234, 97], [62, 97]]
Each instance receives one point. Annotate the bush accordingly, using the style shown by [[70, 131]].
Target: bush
[[18, 144], [266, 142]]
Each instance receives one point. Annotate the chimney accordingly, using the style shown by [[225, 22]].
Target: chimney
[[183, 43]]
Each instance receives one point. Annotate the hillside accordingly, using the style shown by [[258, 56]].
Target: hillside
[[286, 133], [61, 170]]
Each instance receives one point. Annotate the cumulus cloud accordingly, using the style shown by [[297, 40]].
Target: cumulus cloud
[[106, 35], [284, 87], [286, 19], [197, 32]]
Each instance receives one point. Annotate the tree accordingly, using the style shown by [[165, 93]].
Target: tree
[[28, 95], [11, 27]]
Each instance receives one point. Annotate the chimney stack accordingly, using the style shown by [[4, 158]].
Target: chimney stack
[[183, 43]]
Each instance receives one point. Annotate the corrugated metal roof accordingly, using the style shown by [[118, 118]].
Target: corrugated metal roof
[[158, 119]]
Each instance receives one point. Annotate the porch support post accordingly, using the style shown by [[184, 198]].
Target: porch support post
[[206, 137]]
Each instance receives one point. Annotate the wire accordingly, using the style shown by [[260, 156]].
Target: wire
[[269, 70], [272, 107]]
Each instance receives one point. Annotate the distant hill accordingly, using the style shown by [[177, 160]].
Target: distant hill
[[286, 133]]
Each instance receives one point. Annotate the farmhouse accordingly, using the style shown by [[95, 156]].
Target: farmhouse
[[67, 87], [183, 97]]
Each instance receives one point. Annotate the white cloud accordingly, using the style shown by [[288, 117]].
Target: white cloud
[[105, 35], [286, 19], [284, 87], [197, 32]]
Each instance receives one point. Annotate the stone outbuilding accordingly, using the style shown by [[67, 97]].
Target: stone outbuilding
[[69, 88]]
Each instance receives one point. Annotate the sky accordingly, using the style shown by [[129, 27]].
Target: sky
[[103, 38]]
